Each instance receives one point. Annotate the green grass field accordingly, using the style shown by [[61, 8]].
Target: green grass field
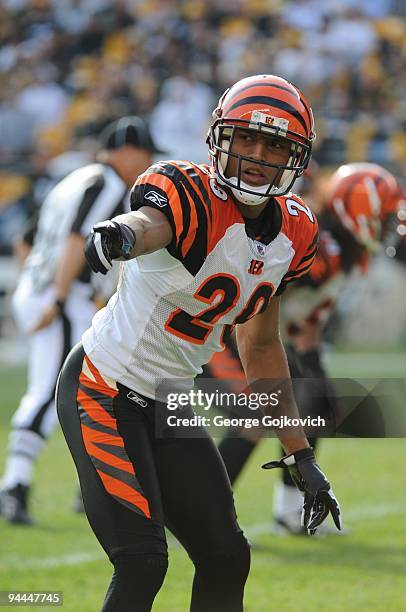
[[365, 570]]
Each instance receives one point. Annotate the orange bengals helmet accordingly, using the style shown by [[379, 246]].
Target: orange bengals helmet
[[362, 196], [270, 105]]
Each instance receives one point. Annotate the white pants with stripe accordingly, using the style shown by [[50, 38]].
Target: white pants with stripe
[[35, 417]]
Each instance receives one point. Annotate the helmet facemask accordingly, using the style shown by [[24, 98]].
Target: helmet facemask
[[221, 139]]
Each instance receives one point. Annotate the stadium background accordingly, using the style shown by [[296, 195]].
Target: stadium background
[[66, 69]]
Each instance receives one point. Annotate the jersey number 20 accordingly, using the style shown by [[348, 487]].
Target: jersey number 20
[[197, 328]]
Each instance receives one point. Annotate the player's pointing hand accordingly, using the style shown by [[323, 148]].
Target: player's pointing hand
[[108, 240]]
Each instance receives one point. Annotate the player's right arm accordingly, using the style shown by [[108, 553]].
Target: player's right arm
[[141, 231], [171, 208], [125, 237], [151, 228]]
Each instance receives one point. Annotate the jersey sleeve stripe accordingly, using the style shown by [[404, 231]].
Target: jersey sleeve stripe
[[188, 236], [314, 242], [186, 230], [298, 272], [307, 257], [174, 212], [187, 211], [195, 178], [294, 278], [182, 220], [195, 186], [197, 251]]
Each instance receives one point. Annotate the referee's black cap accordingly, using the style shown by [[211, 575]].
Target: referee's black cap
[[131, 130]]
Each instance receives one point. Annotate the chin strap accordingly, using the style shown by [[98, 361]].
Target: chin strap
[[245, 198]]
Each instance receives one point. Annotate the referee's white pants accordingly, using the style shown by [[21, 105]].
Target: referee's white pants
[[36, 418]]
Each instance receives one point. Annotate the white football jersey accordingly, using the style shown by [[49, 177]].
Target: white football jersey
[[173, 306], [83, 198]]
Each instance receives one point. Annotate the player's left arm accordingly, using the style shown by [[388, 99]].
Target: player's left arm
[[265, 365], [302, 229]]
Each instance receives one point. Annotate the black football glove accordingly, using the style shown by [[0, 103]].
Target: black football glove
[[319, 499], [108, 240]]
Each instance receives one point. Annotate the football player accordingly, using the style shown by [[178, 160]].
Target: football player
[[53, 302], [361, 201], [208, 247]]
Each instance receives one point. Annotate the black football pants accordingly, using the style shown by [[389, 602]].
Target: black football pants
[[134, 483]]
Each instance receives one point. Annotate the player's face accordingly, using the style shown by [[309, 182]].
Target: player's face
[[261, 147]]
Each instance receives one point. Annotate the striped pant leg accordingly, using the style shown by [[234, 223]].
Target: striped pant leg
[[121, 495]]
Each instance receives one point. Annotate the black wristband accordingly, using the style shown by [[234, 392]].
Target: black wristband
[[303, 454], [60, 304]]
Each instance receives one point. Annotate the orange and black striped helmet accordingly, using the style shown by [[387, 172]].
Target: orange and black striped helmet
[[273, 106], [364, 196]]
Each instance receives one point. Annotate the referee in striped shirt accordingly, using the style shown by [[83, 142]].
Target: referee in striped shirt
[[53, 303]]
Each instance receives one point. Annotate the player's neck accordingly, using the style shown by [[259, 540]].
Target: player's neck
[[250, 212]]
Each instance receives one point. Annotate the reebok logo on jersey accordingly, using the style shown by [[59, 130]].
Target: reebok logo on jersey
[[137, 399], [156, 198]]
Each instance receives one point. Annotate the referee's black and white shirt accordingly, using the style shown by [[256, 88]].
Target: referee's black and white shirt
[[86, 196]]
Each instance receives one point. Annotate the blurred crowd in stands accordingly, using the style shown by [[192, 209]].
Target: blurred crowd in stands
[[67, 67]]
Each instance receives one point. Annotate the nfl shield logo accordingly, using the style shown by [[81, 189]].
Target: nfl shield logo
[[260, 248]]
